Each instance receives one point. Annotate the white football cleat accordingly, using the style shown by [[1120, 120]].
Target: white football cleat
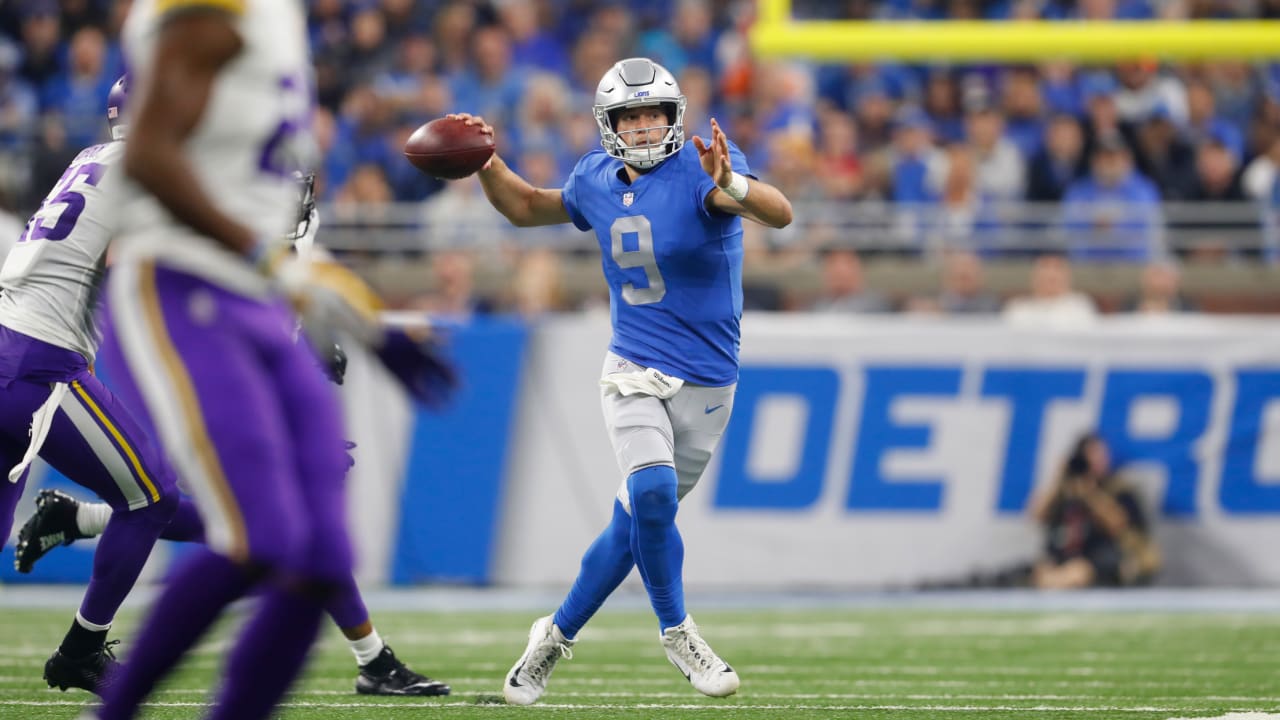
[[693, 657], [527, 679]]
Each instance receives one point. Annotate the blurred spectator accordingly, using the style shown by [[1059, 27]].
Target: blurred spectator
[[1165, 156], [1059, 90], [1142, 88], [1023, 110], [453, 24], [1001, 172], [838, 167], [1217, 174], [399, 85], [1159, 291], [1097, 533], [80, 93], [18, 109], [41, 35], [1261, 174], [368, 53], [459, 216], [491, 87], [1102, 120], [339, 159], [964, 290], [843, 290], [362, 123], [784, 102], [791, 166], [1114, 213], [912, 157], [1060, 162], [452, 295], [1204, 124], [366, 187], [1237, 90], [1052, 303], [540, 123], [53, 153], [698, 86], [406, 18], [875, 113], [955, 223], [688, 39], [942, 105], [538, 285], [532, 46]]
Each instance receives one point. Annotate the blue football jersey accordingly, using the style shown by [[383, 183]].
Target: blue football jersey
[[674, 267]]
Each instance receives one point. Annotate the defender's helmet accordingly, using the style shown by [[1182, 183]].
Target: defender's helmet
[[115, 108], [639, 82]]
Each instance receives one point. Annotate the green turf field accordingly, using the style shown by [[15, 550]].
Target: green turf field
[[908, 664]]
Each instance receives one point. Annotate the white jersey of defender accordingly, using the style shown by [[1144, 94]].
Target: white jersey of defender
[[255, 131], [682, 430], [49, 280]]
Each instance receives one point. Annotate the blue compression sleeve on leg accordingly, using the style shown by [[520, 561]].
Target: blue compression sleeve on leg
[[604, 566], [655, 541]]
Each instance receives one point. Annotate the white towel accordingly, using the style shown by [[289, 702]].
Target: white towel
[[41, 421], [646, 381]]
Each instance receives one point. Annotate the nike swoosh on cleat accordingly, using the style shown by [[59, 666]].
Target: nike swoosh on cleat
[[513, 682], [708, 409]]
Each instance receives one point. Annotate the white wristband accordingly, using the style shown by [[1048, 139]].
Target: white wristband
[[737, 187]]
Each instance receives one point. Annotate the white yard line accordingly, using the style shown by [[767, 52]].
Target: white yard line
[[731, 708]]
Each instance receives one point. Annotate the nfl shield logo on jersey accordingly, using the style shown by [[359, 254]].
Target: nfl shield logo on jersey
[[628, 198]]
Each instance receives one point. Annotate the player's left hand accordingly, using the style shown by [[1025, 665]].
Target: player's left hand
[[715, 157]]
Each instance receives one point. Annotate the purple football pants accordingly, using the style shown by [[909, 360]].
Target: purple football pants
[[255, 435]]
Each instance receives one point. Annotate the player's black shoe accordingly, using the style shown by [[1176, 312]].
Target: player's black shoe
[[387, 675], [89, 672], [53, 524]]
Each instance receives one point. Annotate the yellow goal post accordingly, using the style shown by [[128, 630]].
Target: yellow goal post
[[777, 34]]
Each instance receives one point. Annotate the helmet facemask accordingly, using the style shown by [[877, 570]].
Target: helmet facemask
[[305, 183], [624, 146]]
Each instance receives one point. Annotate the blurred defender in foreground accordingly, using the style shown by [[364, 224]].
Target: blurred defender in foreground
[[200, 327]]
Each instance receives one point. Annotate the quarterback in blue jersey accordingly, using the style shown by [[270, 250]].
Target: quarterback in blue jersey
[[666, 215]]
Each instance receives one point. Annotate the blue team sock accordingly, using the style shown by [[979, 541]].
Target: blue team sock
[[604, 566], [655, 541]]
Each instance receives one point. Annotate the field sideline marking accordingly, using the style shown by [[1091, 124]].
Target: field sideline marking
[[1238, 716], [715, 708]]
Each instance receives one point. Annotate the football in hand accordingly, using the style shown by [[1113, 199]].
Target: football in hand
[[448, 148]]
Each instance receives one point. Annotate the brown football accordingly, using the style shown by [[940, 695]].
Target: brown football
[[448, 148]]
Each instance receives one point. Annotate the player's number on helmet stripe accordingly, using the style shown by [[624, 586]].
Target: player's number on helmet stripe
[[641, 256]]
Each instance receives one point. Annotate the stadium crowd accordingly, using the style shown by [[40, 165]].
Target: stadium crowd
[[952, 156]]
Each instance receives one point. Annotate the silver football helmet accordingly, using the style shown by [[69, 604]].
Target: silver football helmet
[[639, 82]]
